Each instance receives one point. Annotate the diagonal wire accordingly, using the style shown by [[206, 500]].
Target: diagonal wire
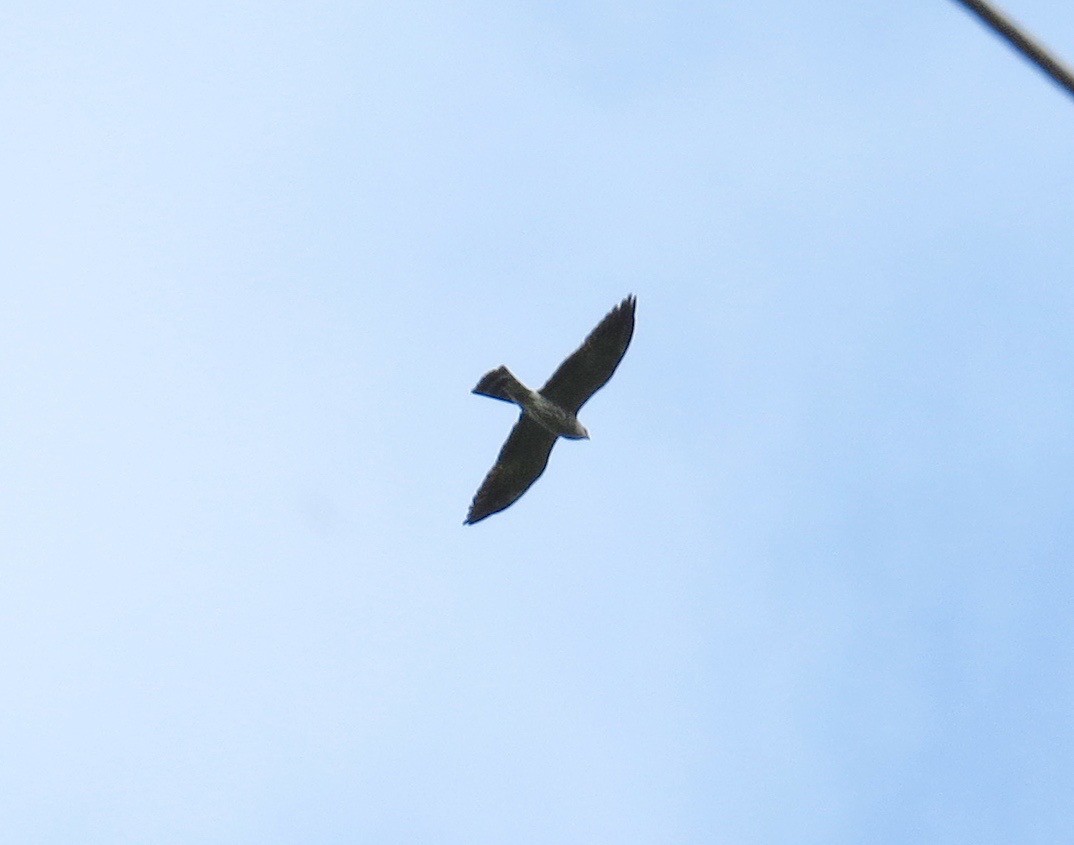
[[1022, 42]]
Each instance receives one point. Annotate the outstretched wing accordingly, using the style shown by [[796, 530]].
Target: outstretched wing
[[588, 369], [521, 461]]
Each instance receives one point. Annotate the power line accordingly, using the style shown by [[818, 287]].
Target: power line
[[1024, 43]]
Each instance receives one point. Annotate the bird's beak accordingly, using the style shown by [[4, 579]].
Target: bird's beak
[[585, 435]]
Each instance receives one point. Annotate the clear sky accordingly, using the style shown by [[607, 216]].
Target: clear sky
[[810, 581]]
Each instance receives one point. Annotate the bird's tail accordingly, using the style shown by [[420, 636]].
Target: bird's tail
[[500, 384]]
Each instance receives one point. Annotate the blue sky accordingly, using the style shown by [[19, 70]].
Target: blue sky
[[809, 582]]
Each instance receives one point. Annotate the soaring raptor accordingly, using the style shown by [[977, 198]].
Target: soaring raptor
[[548, 413]]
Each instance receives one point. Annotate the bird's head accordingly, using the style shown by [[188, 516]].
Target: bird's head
[[578, 431]]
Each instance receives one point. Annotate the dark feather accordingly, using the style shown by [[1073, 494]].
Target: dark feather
[[588, 369], [521, 461], [496, 384]]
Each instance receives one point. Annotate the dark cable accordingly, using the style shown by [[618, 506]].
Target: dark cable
[[1033, 51]]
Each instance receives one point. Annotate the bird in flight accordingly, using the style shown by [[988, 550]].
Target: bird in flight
[[548, 413]]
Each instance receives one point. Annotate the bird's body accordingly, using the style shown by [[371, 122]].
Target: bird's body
[[502, 384], [549, 413]]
